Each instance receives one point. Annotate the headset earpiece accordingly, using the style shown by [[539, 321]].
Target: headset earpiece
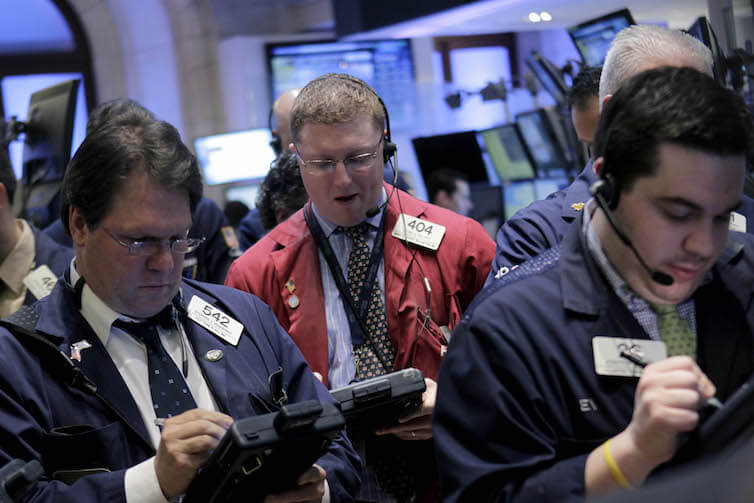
[[388, 150], [609, 190]]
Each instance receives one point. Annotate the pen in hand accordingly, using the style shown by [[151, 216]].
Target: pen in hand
[[637, 360]]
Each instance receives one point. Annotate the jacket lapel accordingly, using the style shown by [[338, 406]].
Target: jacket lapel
[[64, 320]]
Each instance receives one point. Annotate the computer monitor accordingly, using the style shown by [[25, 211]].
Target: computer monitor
[[592, 38], [507, 152], [517, 195], [456, 150], [702, 30], [549, 77], [246, 193], [540, 138], [386, 65], [234, 157], [47, 150]]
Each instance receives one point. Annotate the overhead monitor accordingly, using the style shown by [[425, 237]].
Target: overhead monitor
[[702, 30], [386, 65], [592, 38], [507, 152], [47, 150], [234, 157], [456, 150], [518, 195], [541, 140], [488, 202], [549, 76]]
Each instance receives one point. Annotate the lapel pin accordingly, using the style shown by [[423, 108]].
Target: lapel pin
[[214, 355], [577, 206], [77, 348], [290, 285], [293, 301]]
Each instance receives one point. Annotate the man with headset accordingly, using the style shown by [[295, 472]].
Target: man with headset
[[123, 380], [425, 263], [544, 223], [560, 407]]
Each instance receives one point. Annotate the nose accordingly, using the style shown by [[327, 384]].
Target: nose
[[705, 238], [161, 260], [341, 176]]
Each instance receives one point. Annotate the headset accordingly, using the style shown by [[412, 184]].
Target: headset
[[606, 193]]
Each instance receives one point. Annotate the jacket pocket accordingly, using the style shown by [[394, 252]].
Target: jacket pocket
[[71, 452]]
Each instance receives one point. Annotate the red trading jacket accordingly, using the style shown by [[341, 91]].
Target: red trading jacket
[[456, 272]]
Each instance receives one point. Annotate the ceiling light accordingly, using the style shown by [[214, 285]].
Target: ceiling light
[[534, 17], [545, 16]]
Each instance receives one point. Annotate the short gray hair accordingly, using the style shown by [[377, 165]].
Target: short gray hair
[[642, 47]]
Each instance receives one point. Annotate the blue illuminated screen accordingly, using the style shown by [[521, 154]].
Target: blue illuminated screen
[[233, 157], [593, 38], [386, 65]]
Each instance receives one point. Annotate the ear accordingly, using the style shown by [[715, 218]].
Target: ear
[[441, 198], [604, 101], [78, 226], [597, 165]]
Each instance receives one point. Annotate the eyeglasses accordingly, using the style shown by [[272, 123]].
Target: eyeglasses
[[152, 246], [352, 164]]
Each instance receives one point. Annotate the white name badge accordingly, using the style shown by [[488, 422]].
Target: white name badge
[[214, 320], [40, 281], [419, 232], [737, 222], [609, 362]]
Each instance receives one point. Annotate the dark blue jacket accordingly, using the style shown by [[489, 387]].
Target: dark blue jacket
[[520, 406], [43, 418], [250, 230], [544, 223], [46, 251], [210, 262]]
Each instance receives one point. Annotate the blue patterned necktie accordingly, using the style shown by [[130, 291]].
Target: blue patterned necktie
[[367, 362], [675, 332], [170, 393]]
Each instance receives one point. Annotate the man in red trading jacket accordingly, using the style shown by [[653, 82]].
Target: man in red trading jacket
[[414, 266]]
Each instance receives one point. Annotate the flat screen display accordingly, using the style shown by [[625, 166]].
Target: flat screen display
[[593, 38], [540, 139], [456, 150], [233, 157], [518, 195], [386, 65], [508, 153]]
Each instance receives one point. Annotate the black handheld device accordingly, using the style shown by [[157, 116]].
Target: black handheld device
[[378, 402], [265, 454]]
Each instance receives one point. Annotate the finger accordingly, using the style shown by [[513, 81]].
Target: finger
[[192, 415], [672, 362], [706, 387], [191, 429], [674, 398], [674, 378]]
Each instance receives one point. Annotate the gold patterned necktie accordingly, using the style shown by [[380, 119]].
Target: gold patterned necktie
[[367, 362], [675, 332]]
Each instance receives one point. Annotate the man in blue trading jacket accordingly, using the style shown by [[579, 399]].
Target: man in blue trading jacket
[[128, 196], [544, 223], [555, 412], [210, 261], [30, 262]]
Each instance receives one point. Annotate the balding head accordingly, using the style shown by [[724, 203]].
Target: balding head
[[643, 47], [281, 111]]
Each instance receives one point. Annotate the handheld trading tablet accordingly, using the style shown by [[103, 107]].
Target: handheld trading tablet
[[265, 454], [378, 402]]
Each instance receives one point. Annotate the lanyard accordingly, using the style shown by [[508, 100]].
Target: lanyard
[[356, 315]]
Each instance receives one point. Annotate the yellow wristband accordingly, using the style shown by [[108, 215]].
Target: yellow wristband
[[613, 467]]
